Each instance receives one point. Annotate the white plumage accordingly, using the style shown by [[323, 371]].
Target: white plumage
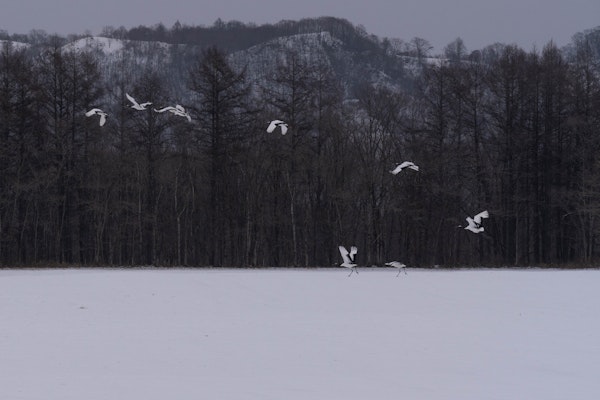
[[277, 123], [398, 265], [474, 224], [348, 258], [97, 111], [136, 105], [405, 164], [177, 110]]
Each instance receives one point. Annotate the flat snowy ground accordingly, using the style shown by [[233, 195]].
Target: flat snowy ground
[[299, 334]]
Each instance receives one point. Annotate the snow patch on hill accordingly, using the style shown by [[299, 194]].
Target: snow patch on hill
[[15, 45]]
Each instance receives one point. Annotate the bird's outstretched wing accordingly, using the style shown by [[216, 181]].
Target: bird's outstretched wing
[[102, 119], [473, 226], [478, 217], [274, 124], [405, 164], [344, 254], [396, 170], [353, 251], [168, 108], [131, 99], [92, 112]]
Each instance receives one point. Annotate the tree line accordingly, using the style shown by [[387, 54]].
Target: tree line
[[234, 35], [516, 133]]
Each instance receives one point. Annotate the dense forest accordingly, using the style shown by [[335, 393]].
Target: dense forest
[[501, 129]]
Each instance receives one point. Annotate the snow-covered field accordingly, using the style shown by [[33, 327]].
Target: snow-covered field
[[299, 334]]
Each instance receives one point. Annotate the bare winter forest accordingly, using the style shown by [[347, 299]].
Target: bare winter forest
[[511, 131]]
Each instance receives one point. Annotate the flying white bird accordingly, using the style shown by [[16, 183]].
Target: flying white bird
[[97, 111], [177, 110], [180, 111], [349, 258], [277, 123], [474, 224], [396, 264], [405, 164], [136, 105]]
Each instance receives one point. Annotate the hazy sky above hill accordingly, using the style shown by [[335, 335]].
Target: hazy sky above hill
[[478, 22]]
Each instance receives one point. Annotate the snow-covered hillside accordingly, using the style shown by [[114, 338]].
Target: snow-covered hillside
[[15, 45], [96, 43], [262, 60], [316, 50], [174, 61], [119, 57]]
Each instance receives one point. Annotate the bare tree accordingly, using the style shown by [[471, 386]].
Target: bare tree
[[221, 110]]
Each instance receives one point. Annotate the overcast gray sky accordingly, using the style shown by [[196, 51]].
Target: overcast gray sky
[[478, 22]]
